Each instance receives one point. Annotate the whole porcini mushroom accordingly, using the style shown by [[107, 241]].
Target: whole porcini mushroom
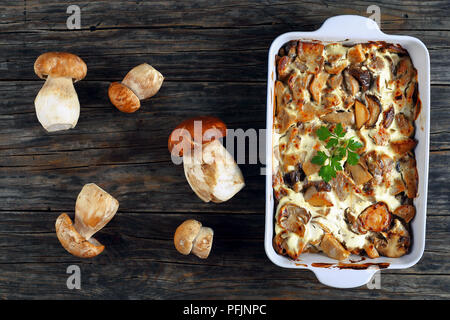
[[191, 236], [94, 208], [142, 82], [209, 168], [57, 105]]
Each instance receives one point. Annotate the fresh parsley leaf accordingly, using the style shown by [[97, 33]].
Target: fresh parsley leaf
[[335, 163], [341, 153], [352, 158], [332, 143], [327, 173], [320, 158], [323, 133], [339, 131], [354, 145], [338, 148]]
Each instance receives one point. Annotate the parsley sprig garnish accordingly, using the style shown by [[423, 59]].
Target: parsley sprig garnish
[[338, 148]]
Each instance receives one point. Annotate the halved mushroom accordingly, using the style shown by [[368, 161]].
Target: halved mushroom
[[356, 54], [336, 67], [371, 251], [342, 185], [376, 217], [408, 169], [361, 114], [191, 236], [73, 241], [353, 222], [284, 67], [406, 212], [388, 117], [317, 85], [374, 107], [404, 71], [293, 218], [311, 55], [93, 210], [335, 81], [317, 198], [212, 173], [359, 173], [362, 75], [351, 84], [344, 117], [380, 137], [395, 243], [333, 248], [404, 125], [397, 187], [403, 146]]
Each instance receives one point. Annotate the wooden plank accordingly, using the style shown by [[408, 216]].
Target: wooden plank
[[395, 14], [141, 262]]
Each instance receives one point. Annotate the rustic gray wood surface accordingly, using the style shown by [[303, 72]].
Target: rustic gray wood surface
[[213, 55]]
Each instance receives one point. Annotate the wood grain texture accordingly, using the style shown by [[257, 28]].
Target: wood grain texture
[[213, 55]]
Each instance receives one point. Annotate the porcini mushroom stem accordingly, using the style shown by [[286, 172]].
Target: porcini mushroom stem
[[57, 105]]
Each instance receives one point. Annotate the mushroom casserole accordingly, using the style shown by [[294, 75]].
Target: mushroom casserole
[[371, 90]]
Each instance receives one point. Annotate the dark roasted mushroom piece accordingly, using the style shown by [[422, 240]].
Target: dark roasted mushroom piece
[[395, 243], [295, 176], [363, 76], [374, 106]]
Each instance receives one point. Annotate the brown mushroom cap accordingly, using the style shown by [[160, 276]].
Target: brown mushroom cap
[[185, 235], [123, 98], [73, 242], [60, 64], [183, 135]]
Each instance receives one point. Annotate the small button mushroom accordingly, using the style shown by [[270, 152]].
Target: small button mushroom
[[93, 210], [142, 82], [191, 236], [57, 105], [209, 168]]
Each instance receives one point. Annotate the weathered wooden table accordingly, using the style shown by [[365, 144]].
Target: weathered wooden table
[[213, 55]]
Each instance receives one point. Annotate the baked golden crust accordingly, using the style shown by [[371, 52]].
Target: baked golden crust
[[60, 64], [371, 90]]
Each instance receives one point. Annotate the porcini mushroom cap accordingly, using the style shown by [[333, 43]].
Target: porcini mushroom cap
[[183, 135], [60, 64], [123, 98], [185, 235], [203, 243], [144, 80], [93, 210], [74, 242]]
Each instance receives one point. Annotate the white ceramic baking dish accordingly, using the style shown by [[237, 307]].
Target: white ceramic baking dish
[[355, 29]]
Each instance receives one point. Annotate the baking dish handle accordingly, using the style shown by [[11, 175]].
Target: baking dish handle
[[350, 25], [341, 278]]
